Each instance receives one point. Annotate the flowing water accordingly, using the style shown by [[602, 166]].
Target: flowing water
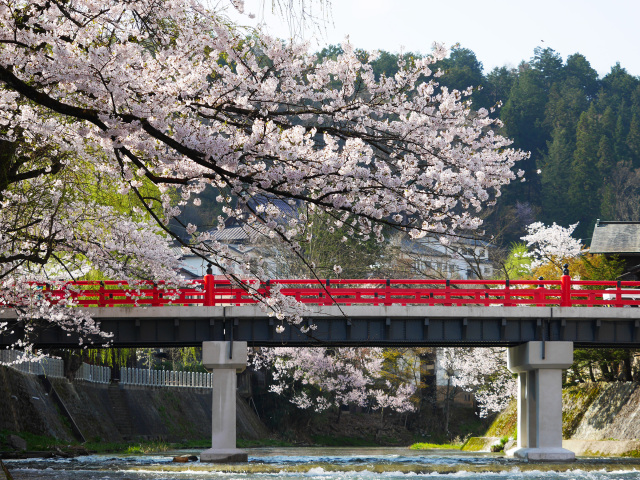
[[323, 464]]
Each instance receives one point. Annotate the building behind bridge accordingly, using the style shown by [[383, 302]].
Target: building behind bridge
[[620, 239]]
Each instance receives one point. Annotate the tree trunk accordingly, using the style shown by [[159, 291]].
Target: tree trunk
[[446, 406], [606, 372], [626, 370]]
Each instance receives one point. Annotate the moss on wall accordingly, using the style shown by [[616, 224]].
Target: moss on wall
[[506, 423]]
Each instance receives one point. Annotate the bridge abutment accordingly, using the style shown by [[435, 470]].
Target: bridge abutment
[[539, 367], [225, 359]]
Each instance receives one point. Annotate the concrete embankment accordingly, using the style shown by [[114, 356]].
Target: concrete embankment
[[597, 419], [111, 413]]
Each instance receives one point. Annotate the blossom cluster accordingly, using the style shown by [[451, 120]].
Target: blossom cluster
[[318, 379], [482, 371], [551, 244], [173, 96]]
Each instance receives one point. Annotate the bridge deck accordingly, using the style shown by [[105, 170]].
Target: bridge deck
[[365, 325]]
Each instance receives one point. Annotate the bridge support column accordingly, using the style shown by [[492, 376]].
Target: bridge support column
[[226, 359], [539, 367]]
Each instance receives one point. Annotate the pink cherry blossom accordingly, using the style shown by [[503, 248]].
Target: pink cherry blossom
[[172, 98]]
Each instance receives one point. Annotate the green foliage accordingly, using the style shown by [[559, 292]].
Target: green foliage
[[517, 265], [146, 448], [34, 442]]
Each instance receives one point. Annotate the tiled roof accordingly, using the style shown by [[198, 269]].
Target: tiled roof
[[616, 237]]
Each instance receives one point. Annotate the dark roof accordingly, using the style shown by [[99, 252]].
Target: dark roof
[[616, 238], [283, 206]]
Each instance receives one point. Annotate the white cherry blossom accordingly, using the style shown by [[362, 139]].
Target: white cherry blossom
[[172, 96]]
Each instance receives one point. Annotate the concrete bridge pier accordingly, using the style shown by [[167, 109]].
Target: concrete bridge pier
[[225, 359], [539, 367]]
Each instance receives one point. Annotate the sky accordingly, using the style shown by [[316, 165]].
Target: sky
[[500, 32]]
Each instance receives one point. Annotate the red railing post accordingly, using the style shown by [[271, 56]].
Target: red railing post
[[619, 295], [101, 292], [447, 293], [538, 294], [387, 293], [565, 287], [209, 288], [507, 294], [155, 296]]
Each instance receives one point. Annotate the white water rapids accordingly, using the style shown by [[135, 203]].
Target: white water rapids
[[323, 464]]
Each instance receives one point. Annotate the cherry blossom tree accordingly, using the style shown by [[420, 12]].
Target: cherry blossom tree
[[482, 371], [320, 378], [552, 244], [172, 95], [55, 226]]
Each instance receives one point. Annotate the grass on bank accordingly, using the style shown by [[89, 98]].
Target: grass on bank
[[43, 443], [431, 446]]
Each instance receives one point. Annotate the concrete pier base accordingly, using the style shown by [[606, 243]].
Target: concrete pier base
[[222, 455], [539, 367], [225, 359]]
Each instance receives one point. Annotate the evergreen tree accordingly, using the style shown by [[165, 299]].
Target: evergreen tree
[[554, 177], [584, 180], [608, 122], [633, 140], [606, 165], [463, 70], [606, 156], [620, 135], [548, 63], [523, 116], [498, 84], [579, 69]]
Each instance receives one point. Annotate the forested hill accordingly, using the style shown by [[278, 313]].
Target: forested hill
[[583, 133]]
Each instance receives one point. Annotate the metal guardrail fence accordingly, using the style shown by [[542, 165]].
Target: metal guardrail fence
[[164, 378], [51, 367], [54, 368], [93, 374]]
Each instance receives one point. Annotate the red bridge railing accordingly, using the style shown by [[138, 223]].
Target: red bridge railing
[[211, 292]]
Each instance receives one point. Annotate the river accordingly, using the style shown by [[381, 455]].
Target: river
[[323, 464]]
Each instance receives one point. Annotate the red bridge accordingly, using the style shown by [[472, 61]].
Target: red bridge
[[352, 312], [221, 292]]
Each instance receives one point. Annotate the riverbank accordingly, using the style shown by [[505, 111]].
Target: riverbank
[[598, 419], [38, 446]]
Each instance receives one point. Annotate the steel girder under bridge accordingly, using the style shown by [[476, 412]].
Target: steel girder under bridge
[[340, 325]]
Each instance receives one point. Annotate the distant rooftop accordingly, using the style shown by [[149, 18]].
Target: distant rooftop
[[612, 237]]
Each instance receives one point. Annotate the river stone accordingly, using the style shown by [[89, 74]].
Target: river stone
[[17, 443], [185, 458]]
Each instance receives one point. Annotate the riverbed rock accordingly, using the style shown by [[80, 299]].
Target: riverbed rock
[[185, 458], [17, 443]]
